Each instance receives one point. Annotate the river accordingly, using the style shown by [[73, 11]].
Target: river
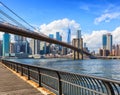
[[96, 67]]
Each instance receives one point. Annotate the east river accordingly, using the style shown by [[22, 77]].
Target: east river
[[96, 67]]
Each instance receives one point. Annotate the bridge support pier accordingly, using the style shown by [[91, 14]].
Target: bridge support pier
[[80, 55], [74, 55], [77, 55]]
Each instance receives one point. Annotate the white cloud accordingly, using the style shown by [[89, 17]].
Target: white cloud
[[60, 26], [116, 35], [94, 40], [1, 35], [107, 17]]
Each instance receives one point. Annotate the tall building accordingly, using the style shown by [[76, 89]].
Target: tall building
[[69, 36], [85, 48], [6, 44], [58, 36], [42, 47], [12, 47], [51, 36], [104, 41], [34, 46], [78, 34], [79, 37], [24, 47], [18, 38], [116, 50], [107, 42], [21, 44], [0, 47]]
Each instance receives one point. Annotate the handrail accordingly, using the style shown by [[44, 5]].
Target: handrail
[[65, 83]]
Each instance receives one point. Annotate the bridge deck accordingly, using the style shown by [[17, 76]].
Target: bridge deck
[[10, 84]]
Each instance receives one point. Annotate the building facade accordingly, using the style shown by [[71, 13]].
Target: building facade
[[21, 44], [34, 47], [69, 36], [78, 34], [51, 36], [1, 47], [107, 42], [58, 36], [6, 44], [12, 47]]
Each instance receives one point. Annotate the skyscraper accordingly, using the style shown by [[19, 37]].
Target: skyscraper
[[1, 48], [58, 36], [51, 36], [69, 36], [79, 37], [107, 42], [34, 46], [78, 34], [6, 44], [20, 44], [104, 41]]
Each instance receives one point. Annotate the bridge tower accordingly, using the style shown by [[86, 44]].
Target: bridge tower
[[78, 42]]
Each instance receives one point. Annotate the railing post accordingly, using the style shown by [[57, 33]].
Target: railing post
[[59, 84], [14, 66], [21, 70], [39, 77], [11, 65], [17, 67], [28, 73]]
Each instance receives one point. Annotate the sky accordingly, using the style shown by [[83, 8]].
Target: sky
[[93, 17]]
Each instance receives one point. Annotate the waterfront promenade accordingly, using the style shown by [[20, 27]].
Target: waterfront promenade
[[10, 84]]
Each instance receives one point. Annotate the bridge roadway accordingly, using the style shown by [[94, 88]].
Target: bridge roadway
[[10, 84], [31, 34]]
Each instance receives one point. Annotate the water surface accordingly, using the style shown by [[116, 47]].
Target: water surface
[[97, 67]]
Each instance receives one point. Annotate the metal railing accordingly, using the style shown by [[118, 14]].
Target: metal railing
[[65, 83]]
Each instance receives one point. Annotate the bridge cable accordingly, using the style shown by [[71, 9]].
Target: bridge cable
[[10, 18], [18, 16], [3, 19], [20, 19]]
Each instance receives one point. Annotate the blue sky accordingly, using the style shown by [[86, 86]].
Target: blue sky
[[91, 15], [83, 12]]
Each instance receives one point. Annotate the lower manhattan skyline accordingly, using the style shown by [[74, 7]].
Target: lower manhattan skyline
[[56, 16]]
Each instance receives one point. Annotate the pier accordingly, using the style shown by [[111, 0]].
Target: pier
[[10, 84]]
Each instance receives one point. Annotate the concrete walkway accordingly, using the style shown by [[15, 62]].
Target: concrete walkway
[[10, 84]]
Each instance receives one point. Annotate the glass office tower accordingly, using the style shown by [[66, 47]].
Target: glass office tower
[[107, 42], [6, 44]]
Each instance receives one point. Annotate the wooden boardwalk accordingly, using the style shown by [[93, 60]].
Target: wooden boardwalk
[[10, 84]]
